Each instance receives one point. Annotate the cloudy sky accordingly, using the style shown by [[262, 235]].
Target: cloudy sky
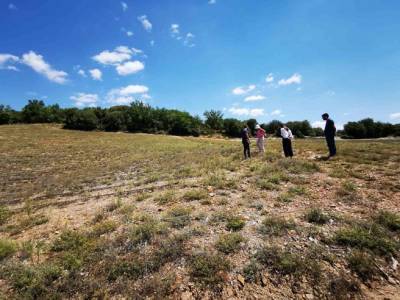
[[287, 59]]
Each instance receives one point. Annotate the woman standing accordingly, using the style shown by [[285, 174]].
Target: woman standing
[[287, 137], [260, 138]]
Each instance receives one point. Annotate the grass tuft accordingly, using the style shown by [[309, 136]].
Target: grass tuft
[[317, 216], [275, 225], [235, 223], [229, 243]]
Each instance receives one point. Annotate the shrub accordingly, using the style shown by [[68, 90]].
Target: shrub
[[195, 195], [81, 119], [165, 198], [362, 264], [315, 215], [7, 248], [208, 269], [342, 288], [347, 192], [4, 214], [276, 225], [252, 271], [229, 243], [178, 217], [371, 238], [389, 220], [102, 228], [235, 223], [69, 240], [282, 262], [143, 232]]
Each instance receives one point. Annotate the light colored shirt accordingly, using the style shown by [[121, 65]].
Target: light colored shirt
[[286, 134], [260, 133]]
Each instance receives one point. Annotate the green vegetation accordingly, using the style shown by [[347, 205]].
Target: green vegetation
[[229, 243], [317, 216], [274, 225], [389, 220], [4, 214], [193, 195], [178, 217], [7, 248], [362, 264], [235, 223]]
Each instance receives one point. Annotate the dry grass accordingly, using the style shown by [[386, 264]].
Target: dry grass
[[113, 215]]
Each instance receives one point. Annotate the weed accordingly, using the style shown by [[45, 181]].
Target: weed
[[343, 288], [69, 240], [103, 228], [348, 192], [142, 196], [372, 238], [285, 197], [362, 264], [274, 225], [7, 248], [193, 195], [4, 214], [165, 198], [252, 271], [235, 223], [282, 262], [117, 203], [389, 220], [265, 184], [317, 216], [297, 190], [143, 232], [208, 269], [229, 243], [178, 217]]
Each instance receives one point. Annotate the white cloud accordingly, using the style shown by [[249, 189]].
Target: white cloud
[[243, 90], [250, 112], [130, 67], [174, 29], [395, 116], [82, 73], [188, 41], [82, 99], [146, 96], [145, 23], [212, 1], [269, 78], [129, 33], [318, 124], [6, 59], [126, 94], [152, 42], [96, 74], [119, 55], [294, 79], [37, 63], [12, 6], [124, 6], [254, 98], [276, 112]]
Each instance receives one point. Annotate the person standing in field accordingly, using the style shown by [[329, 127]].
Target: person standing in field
[[246, 142], [330, 132], [287, 137], [260, 138]]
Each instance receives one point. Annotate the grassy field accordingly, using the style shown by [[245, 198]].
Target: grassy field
[[113, 215]]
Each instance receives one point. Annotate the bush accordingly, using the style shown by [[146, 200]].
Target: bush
[[389, 220], [235, 223], [81, 119], [4, 214], [276, 225], [178, 217], [229, 243], [193, 195], [282, 262], [362, 264], [208, 269], [315, 215], [233, 127], [7, 248], [69, 240]]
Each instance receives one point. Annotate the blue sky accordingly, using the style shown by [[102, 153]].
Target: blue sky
[[287, 59]]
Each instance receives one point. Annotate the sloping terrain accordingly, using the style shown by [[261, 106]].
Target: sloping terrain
[[115, 215]]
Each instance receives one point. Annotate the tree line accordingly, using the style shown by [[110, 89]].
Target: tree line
[[141, 117]]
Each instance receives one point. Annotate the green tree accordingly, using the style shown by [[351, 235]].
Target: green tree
[[233, 127], [214, 119]]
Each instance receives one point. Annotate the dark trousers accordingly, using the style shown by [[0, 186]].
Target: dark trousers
[[246, 149], [330, 141], [287, 147]]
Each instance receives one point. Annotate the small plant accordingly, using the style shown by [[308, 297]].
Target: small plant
[[208, 269], [193, 195], [282, 262], [141, 197], [4, 214], [274, 225], [178, 217], [229, 243], [285, 197], [69, 240], [252, 271], [235, 223], [348, 192], [143, 232], [315, 215], [265, 184], [362, 264], [389, 220], [117, 203], [371, 238], [103, 228], [342, 287], [297, 190], [165, 198], [7, 248]]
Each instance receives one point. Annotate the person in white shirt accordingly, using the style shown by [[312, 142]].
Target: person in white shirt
[[287, 137]]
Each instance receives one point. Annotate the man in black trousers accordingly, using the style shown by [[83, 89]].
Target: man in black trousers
[[330, 132]]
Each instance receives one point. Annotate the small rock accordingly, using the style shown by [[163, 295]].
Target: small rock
[[211, 194], [309, 296], [264, 280], [394, 263], [241, 279], [392, 281], [187, 296]]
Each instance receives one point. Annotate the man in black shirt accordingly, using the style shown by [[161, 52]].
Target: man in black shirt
[[246, 142], [330, 132]]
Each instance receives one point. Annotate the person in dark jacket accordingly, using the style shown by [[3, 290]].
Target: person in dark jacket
[[246, 142], [330, 132]]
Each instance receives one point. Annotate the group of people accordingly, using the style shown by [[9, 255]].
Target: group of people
[[287, 137]]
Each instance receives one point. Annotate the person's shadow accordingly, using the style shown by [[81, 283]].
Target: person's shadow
[[322, 158]]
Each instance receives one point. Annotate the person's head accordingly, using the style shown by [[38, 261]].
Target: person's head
[[284, 126], [325, 116], [258, 127]]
